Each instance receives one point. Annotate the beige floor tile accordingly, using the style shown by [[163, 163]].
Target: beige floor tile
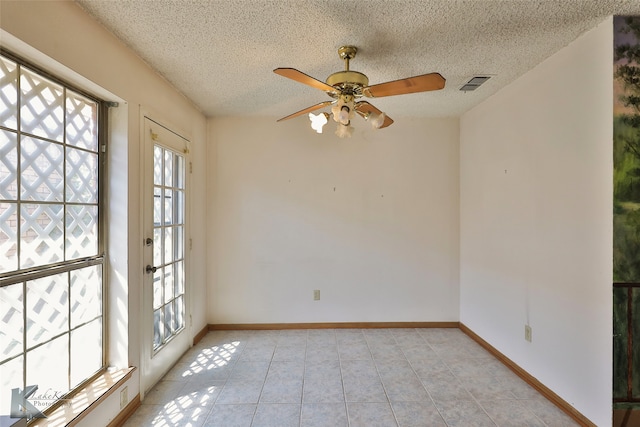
[[163, 391], [417, 414], [287, 352], [370, 415], [358, 369], [510, 413], [364, 389], [240, 392], [354, 351], [230, 416], [144, 416], [464, 413], [282, 391], [286, 370], [405, 390], [486, 388], [548, 412], [324, 415], [322, 391], [277, 415], [343, 378]]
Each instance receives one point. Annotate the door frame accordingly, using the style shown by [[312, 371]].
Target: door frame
[[150, 374]]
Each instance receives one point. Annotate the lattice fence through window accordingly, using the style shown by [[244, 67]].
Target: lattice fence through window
[[51, 260]]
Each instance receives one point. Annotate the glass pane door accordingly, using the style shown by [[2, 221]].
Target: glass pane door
[[168, 244]]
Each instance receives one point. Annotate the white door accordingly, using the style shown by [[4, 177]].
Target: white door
[[165, 285]]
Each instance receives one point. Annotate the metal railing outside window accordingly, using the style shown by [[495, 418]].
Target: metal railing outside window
[[51, 228]]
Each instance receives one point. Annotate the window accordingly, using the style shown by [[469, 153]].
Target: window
[[168, 248], [51, 250]]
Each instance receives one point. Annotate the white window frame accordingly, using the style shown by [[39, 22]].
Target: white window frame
[[26, 275]]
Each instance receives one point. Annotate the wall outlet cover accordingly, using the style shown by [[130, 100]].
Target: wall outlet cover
[[124, 397]]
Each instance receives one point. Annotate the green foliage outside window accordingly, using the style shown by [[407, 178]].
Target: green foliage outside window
[[626, 158]]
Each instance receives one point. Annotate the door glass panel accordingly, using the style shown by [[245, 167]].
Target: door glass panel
[[168, 207], [180, 207], [158, 328], [168, 168], [157, 246], [168, 251], [180, 172], [168, 245], [168, 319], [179, 281], [157, 206], [179, 307], [168, 283], [157, 165], [179, 243], [157, 289]]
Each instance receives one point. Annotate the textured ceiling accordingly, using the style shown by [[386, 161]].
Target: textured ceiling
[[221, 53]]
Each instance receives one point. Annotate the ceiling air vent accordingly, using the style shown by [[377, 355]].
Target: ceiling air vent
[[474, 83]]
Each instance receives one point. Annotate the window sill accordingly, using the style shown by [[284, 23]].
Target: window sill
[[87, 399]]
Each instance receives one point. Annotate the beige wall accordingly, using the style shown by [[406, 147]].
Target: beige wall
[[536, 221], [535, 241], [62, 38], [370, 221]]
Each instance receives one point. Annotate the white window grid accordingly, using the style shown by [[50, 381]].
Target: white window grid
[[52, 332], [168, 229]]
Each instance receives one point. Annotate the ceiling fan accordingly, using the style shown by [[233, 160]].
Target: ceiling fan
[[347, 87]]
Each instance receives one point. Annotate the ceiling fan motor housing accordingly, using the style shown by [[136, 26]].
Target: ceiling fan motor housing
[[348, 81]]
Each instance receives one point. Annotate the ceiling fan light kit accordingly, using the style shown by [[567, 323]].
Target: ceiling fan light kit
[[376, 120], [343, 109], [344, 131], [348, 86], [318, 121]]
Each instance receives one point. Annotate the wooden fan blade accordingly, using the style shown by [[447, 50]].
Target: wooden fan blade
[[300, 77], [365, 109], [307, 110], [423, 83]]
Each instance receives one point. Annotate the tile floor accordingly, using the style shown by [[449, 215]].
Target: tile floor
[[343, 377]]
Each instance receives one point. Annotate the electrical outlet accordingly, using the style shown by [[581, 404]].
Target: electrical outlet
[[124, 397], [316, 295], [527, 333]]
